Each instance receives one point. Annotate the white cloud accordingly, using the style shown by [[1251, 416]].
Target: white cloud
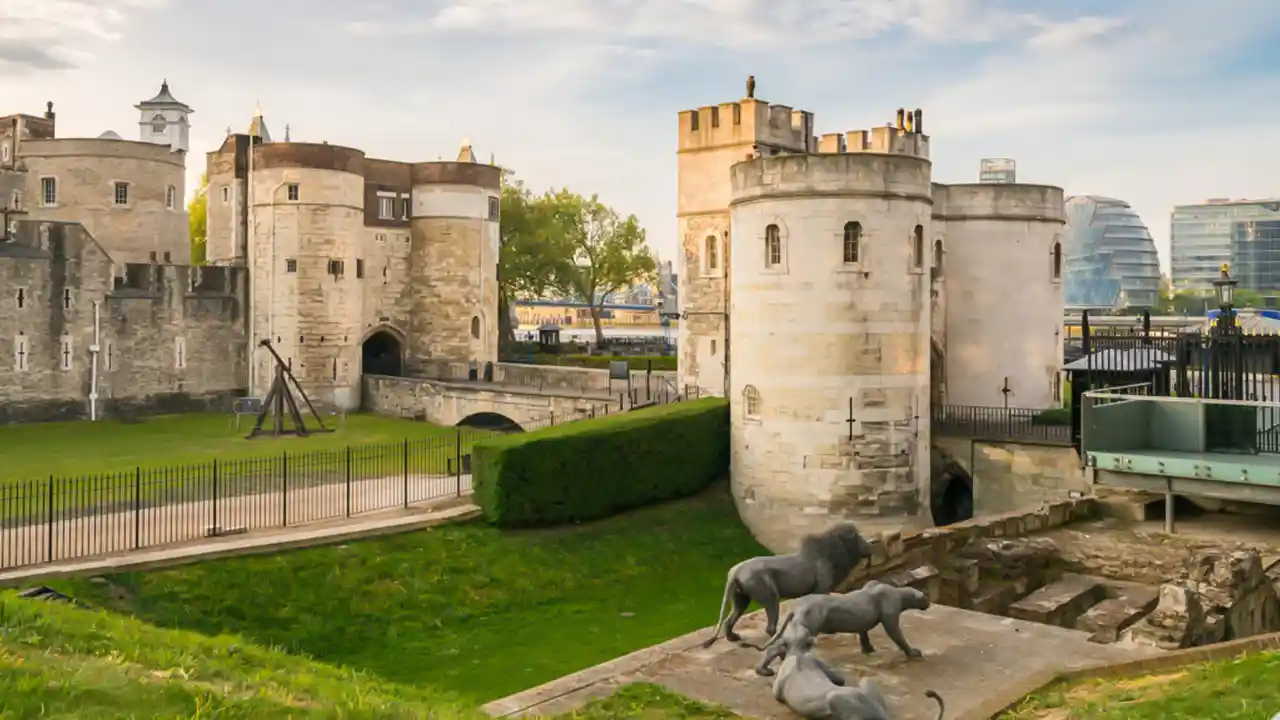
[[53, 34]]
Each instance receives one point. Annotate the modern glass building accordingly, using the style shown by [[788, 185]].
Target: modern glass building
[[1245, 234], [1110, 259]]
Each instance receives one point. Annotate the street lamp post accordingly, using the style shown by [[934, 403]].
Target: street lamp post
[[1224, 288]]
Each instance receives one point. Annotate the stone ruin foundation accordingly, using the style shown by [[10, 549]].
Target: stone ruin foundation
[[1210, 595]]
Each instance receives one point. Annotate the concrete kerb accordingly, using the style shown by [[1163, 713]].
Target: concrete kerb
[[253, 544], [1167, 661]]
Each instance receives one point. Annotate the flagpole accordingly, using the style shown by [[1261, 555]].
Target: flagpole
[[248, 258]]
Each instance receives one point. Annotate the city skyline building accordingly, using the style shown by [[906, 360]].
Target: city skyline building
[[1244, 234], [1111, 261]]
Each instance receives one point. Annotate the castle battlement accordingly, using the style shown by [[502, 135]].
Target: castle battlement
[[904, 138], [151, 279], [746, 122]]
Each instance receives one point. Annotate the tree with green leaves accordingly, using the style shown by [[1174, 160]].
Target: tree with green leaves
[[532, 251], [198, 222], [606, 252]]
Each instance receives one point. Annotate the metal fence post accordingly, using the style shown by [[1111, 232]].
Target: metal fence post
[[348, 481], [284, 489], [137, 507], [49, 524], [457, 460], [406, 472], [215, 496]]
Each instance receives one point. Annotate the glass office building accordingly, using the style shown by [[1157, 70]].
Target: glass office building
[[1110, 260], [1244, 234]]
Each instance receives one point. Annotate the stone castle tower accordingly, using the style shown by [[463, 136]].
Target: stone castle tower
[[356, 262], [815, 298]]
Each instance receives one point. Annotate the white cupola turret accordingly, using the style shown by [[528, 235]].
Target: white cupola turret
[[164, 121]]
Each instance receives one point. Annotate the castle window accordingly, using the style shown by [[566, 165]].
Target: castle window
[[917, 250], [772, 246], [158, 124], [475, 327], [16, 203], [712, 254], [66, 298], [167, 257], [293, 192], [1057, 260], [170, 197], [180, 352], [122, 193], [359, 267], [226, 194], [48, 191], [22, 298], [404, 208], [386, 208], [4, 152], [937, 257], [852, 238], [381, 237], [110, 356], [336, 268], [65, 352], [384, 273], [750, 401], [21, 355], [495, 208], [153, 256]]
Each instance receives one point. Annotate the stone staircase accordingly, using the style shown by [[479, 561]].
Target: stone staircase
[[1224, 596]]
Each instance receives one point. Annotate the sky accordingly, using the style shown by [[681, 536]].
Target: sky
[[1156, 102]]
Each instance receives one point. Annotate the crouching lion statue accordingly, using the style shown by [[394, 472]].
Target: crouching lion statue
[[823, 562], [860, 611], [813, 689]]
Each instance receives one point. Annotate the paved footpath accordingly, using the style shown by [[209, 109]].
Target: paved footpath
[[164, 525]]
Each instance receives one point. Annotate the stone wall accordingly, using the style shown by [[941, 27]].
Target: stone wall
[[166, 333], [1009, 476], [897, 552], [550, 378], [444, 403]]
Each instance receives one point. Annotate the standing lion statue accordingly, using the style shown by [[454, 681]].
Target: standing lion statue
[[822, 563]]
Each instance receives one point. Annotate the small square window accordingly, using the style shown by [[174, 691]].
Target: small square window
[[293, 192], [336, 268], [291, 265]]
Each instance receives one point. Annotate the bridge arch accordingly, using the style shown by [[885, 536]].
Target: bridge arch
[[382, 352], [491, 421]]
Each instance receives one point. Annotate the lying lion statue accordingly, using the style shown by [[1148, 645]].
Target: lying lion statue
[[860, 611], [815, 690], [823, 562]]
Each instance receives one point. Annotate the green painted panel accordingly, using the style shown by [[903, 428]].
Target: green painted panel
[[1177, 425], [1115, 426], [1263, 470]]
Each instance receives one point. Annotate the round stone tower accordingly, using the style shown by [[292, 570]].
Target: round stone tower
[[454, 243], [1004, 284], [829, 386], [308, 221]]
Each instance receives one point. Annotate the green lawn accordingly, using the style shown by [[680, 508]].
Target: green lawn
[[465, 608], [70, 449], [1242, 689], [57, 661]]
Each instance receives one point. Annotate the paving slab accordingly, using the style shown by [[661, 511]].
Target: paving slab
[[970, 658]]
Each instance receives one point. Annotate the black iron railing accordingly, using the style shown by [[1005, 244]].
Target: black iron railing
[[62, 518], [1000, 423]]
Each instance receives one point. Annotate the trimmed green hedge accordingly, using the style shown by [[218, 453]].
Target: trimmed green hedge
[[591, 469]]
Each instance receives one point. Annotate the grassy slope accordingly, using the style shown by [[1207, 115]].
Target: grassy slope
[[1242, 689], [57, 661], [466, 608], [38, 450]]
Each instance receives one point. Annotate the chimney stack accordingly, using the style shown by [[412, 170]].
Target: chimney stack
[[901, 120], [919, 114]]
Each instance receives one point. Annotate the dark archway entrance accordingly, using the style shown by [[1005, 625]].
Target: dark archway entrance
[[955, 503], [496, 422], [382, 355]]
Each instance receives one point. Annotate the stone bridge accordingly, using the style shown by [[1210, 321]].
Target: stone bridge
[[528, 396]]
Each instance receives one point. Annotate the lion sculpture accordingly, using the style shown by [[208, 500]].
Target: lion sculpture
[[822, 563], [813, 689]]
